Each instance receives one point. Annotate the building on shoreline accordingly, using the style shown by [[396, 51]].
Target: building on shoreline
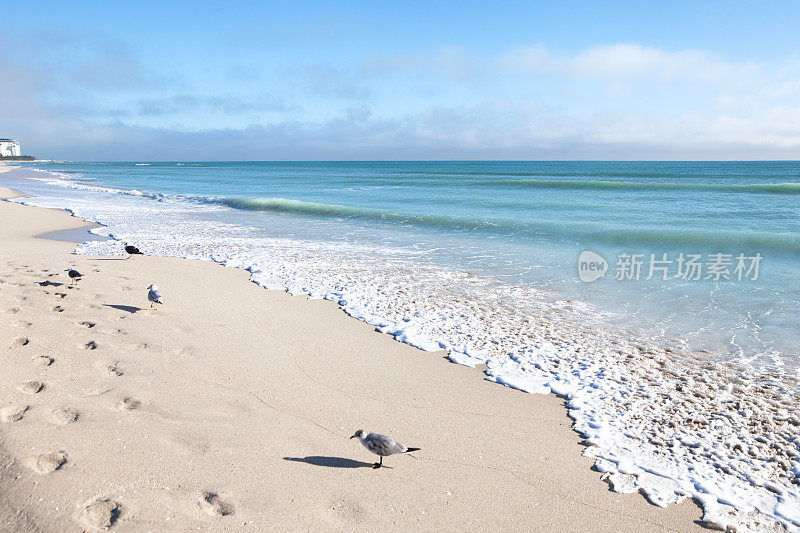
[[9, 148]]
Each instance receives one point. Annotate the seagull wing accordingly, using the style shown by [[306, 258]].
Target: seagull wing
[[382, 445]]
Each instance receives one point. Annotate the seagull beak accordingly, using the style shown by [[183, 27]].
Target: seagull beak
[[354, 436]]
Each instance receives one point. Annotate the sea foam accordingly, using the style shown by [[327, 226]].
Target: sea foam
[[667, 423]]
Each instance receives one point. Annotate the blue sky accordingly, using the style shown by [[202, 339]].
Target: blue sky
[[416, 80]]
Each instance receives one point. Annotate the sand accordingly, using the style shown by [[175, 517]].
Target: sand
[[230, 407]]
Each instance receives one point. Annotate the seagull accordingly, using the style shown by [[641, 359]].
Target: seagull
[[74, 275], [132, 250], [381, 445], [153, 295]]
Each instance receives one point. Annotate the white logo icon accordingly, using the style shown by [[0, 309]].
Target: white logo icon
[[591, 266]]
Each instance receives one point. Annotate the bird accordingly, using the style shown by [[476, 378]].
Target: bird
[[132, 250], [381, 445], [153, 295], [74, 275]]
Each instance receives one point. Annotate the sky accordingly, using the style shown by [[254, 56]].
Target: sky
[[114, 81]]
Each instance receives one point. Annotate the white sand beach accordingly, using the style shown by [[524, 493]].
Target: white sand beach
[[229, 409]]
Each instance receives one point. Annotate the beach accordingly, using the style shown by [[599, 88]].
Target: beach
[[230, 407]]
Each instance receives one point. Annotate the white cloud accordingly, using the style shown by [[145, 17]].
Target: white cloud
[[606, 102], [624, 61]]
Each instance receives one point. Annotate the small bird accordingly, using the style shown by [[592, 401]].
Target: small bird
[[381, 445], [74, 275], [153, 295], [132, 250]]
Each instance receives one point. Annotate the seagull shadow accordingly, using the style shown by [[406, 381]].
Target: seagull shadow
[[333, 462], [49, 283], [128, 308]]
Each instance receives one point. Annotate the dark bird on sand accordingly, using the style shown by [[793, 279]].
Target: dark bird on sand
[[132, 250], [74, 275], [381, 445]]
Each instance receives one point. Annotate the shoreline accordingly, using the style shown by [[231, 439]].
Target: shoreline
[[359, 378], [668, 424]]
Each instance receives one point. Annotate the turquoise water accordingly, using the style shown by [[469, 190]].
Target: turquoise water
[[527, 222], [683, 382]]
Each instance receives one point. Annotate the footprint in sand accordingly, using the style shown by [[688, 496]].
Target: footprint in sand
[[11, 310], [140, 346], [63, 416], [12, 413], [91, 345], [86, 324], [30, 387], [211, 503], [114, 331], [100, 513], [128, 404], [22, 323], [58, 309], [19, 342], [46, 463], [43, 360], [110, 367]]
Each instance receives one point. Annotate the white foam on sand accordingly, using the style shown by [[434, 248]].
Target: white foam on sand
[[669, 424]]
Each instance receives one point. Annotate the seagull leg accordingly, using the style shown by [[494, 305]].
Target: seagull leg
[[379, 464]]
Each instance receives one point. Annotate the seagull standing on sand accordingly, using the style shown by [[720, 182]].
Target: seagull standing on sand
[[153, 295], [381, 445], [74, 275], [132, 250]]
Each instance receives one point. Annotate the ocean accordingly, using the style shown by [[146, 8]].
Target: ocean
[[661, 298]]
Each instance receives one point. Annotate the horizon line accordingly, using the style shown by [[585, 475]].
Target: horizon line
[[410, 161]]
